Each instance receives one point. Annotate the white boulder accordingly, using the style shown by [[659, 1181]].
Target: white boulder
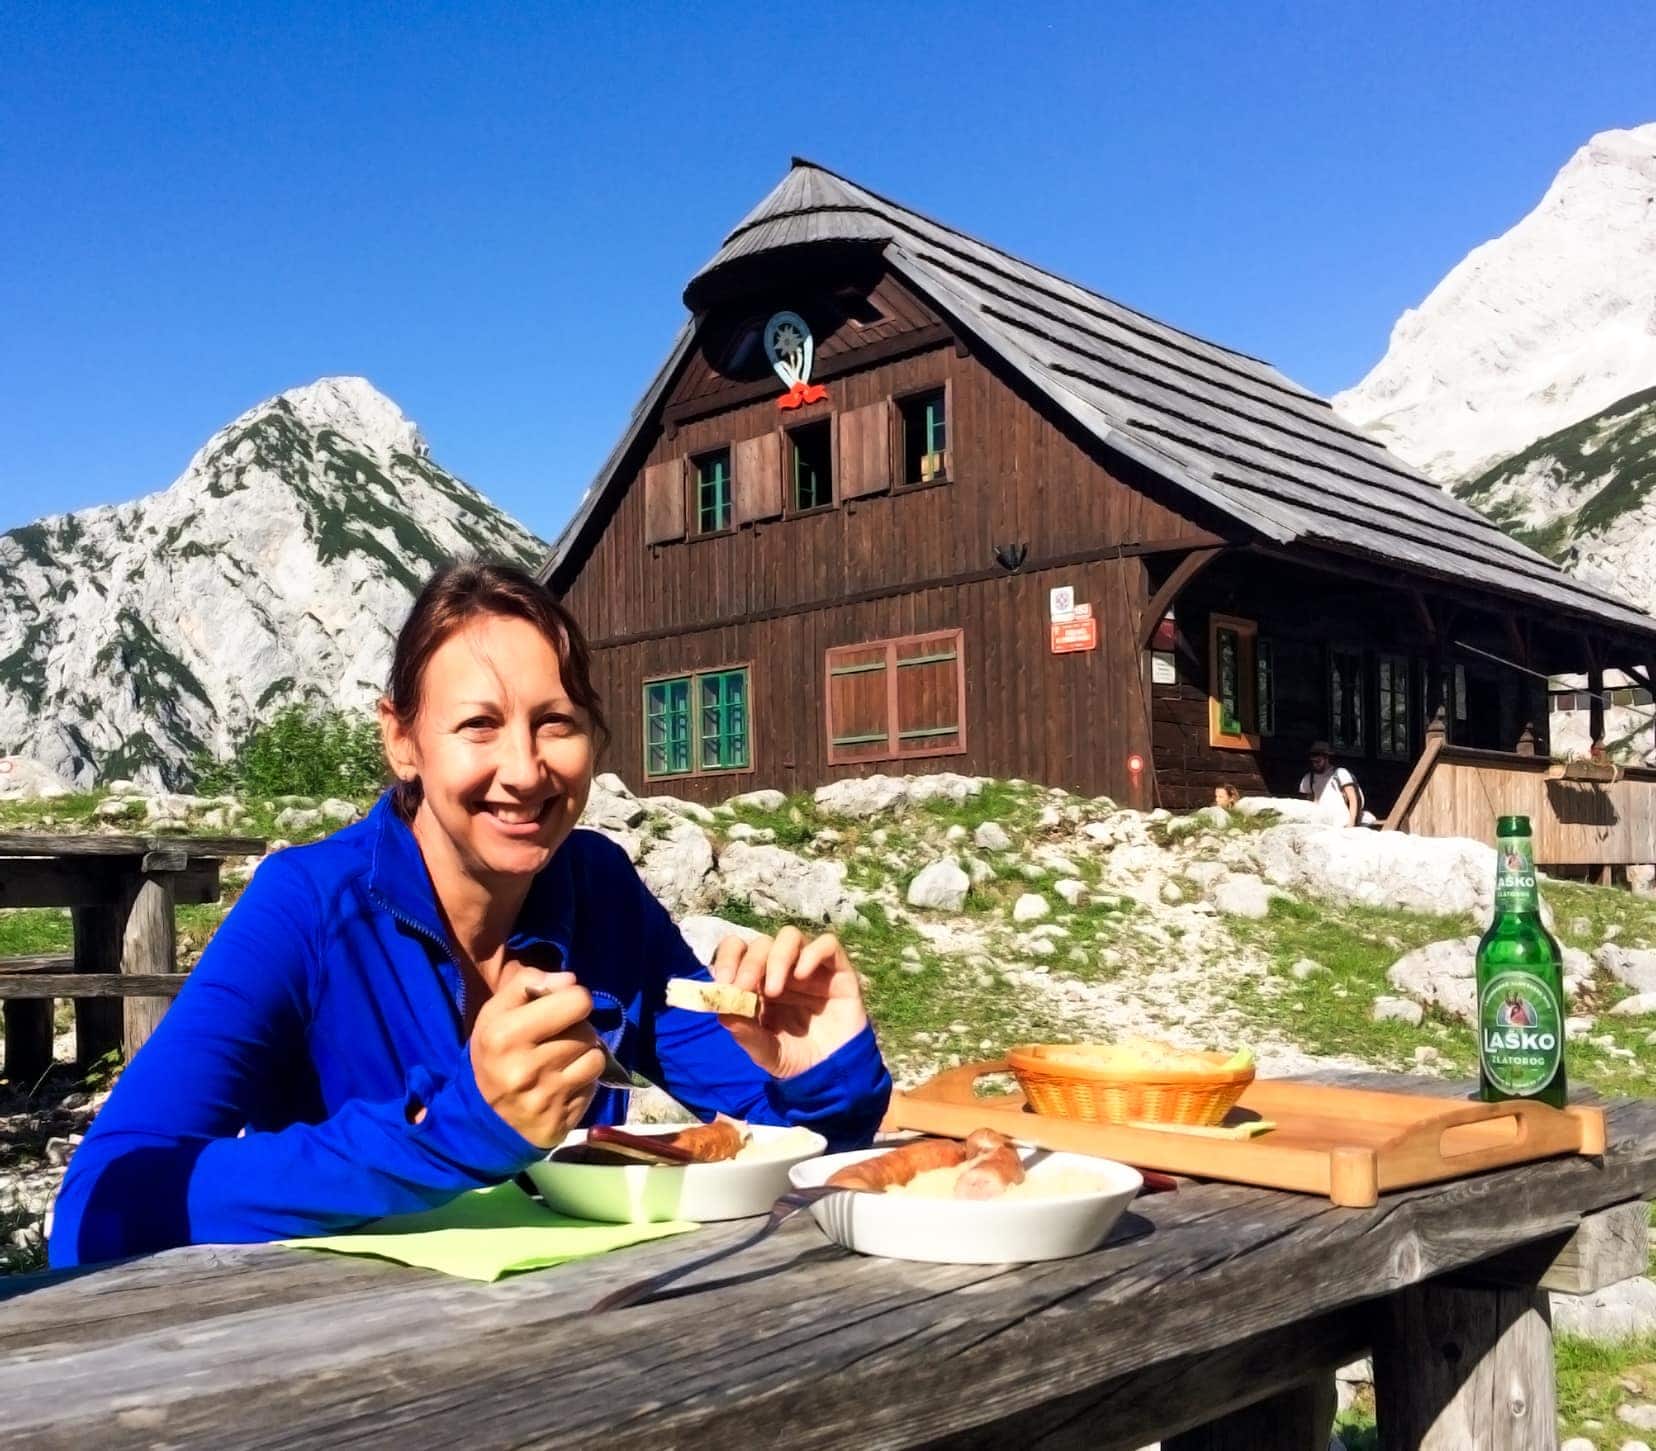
[[23, 779], [766, 800], [743, 831], [1242, 895], [288, 819], [1635, 967], [776, 883], [678, 868], [1618, 1312], [1401, 1010], [862, 795], [705, 933], [944, 786], [1123, 828], [675, 806], [337, 809], [1070, 889], [1441, 875], [991, 836], [1288, 808], [940, 887], [1636, 1006], [1215, 818], [1444, 974], [1030, 907]]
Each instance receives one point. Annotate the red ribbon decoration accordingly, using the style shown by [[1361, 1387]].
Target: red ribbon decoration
[[801, 394]]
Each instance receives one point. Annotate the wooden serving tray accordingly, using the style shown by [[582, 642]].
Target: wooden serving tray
[[1352, 1144]]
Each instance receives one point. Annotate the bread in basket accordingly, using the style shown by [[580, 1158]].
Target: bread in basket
[[1137, 1080]]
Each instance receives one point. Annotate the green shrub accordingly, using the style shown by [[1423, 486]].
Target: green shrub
[[300, 751]]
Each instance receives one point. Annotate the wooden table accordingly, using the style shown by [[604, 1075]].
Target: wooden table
[[1213, 1319], [121, 891]]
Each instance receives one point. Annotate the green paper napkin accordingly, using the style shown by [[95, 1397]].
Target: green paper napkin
[[487, 1233]]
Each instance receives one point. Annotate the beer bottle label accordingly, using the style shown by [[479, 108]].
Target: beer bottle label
[[1521, 1032], [1515, 885]]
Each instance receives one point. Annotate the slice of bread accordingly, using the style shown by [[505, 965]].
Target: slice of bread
[[696, 996]]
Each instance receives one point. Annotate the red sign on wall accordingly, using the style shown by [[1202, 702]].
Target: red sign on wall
[[1069, 636]]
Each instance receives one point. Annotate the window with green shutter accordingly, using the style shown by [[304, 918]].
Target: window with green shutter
[[713, 502], [697, 723], [811, 461]]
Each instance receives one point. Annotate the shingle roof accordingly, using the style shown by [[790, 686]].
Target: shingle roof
[[1227, 428]]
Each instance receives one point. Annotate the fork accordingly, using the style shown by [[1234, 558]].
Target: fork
[[783, 1210], [615, 1073]]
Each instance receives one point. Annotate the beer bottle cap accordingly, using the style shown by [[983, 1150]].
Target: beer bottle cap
[[1512, 826]]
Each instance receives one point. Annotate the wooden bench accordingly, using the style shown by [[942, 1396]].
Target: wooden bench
[[121, 892]]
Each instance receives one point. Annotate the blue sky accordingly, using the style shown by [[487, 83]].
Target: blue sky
[[491, 210]]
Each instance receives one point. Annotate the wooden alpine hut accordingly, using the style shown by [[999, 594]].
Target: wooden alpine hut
[[898, 501]]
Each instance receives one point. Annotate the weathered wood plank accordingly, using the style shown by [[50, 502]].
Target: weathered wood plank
[[45, 844], [46, 962], [98, 932], [24, 987], [800, 1335], [149, 948], [80, 881], [1604, 1249], [1458, 1367]]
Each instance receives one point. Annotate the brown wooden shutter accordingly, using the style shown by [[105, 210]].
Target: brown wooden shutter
[[930, 691], [664, 501], [758, 478], [859, 703], [865, 450]]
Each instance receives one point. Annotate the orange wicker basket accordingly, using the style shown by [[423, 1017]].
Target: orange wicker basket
[[1197, 1096]]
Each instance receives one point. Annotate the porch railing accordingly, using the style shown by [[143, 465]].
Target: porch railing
[[1583, 813]]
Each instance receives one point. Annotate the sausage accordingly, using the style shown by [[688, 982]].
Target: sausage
[[899, 1165], [985, 1141], [990, 1175], [710, 1143]]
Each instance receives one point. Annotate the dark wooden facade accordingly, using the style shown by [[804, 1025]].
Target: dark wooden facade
[[1179, 489]]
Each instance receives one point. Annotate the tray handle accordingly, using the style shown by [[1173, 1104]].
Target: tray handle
[[955, 1085]]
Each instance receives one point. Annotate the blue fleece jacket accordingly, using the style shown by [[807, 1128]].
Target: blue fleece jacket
[[274, 1099]]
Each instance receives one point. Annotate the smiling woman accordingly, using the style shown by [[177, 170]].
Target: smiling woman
[[413, 1007]]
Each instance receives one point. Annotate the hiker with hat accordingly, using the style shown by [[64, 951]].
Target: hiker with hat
[[1332, 789]]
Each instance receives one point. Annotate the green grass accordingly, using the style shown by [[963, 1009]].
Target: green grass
[[31, 931], [1593, 1380]]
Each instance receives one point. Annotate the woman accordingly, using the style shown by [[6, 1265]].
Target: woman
[[374, 1028]]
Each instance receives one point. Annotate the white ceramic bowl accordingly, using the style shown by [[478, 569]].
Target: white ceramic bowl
[[974, 1232], [650, 1193]]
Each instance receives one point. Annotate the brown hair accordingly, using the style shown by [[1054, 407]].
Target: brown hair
[[452, 598]]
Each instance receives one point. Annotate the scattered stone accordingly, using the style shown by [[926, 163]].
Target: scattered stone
[[1425, 1055], [297, 803], [1121, 829], [1040, 946], [611, 806], [1636, 1006], [1304, 968], [1030, 907], [980, 870], [117, 806], [1204, 874], [1641, 879], [1640, 1415], [1055, 861], [862, 796], [1032, 873], [1615, 1313], [1050, 819], [955, 834], [940, 887], [1070, 890], [1401, 1010], [23, 779], [1171, 894], [336, 809], [290, 818], [1049, 929], [991, 836], [766, 800], [1579, 1027], [944, 786], [678, 868], [1634, 967], [1444, 974], [1242, 895], [674, 806], [120, 786], [757, 835], [826, 838]]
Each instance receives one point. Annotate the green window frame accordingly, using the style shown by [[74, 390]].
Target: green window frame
[[698, 723], [724, 720], [925, 420], [713, 496]]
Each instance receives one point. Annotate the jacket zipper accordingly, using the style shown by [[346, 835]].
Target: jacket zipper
[[447, 952]]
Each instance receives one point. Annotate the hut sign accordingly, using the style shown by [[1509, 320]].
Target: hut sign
[[788, 346]]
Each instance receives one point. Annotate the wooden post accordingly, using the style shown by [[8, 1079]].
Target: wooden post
[[1299, 1419], [1595, 706], [1456, 1367], [28, 1039], [1604, 1249], [98, 950], [150, 945]]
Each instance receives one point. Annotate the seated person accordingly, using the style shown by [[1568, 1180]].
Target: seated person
[[1333, 789], [411, 1008]]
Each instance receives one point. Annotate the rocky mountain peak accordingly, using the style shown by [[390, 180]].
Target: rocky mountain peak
[[1533, 331]]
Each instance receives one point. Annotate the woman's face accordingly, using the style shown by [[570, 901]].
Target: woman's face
[[503, 756]]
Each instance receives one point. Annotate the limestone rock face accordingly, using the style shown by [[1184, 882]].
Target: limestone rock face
[[1441, 875], [277, 568]]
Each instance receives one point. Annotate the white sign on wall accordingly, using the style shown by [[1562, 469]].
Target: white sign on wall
[[1061, 602], [1162, 669]]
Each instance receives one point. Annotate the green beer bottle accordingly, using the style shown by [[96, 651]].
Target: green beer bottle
[[1520, 982]]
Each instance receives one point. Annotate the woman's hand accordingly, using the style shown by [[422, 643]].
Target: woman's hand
[[810, 998], [534, 1055]]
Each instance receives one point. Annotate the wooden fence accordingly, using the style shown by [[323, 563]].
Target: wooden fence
[[1583, 814]]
